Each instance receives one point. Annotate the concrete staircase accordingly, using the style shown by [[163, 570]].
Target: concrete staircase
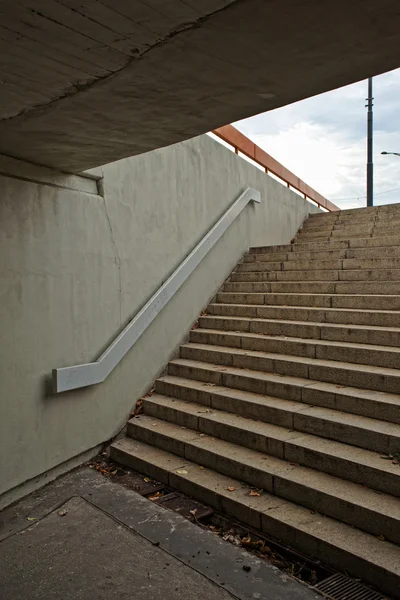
[[291, 384]]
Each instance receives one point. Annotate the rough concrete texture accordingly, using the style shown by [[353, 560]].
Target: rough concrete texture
[[76, 267], [112, 543], [88, 83], [87, 554]]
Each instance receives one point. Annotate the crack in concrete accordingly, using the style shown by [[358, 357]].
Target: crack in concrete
[[80, 87], [117, 257]]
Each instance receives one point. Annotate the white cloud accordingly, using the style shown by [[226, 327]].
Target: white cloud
[[323, 140]]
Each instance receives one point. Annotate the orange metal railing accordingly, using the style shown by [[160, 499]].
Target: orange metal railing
[[242, 144]]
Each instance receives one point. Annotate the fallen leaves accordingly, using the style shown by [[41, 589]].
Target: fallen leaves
[[32, 519], [138, 408], [155, 496], [62, 512], [254, 493], [181, 472], [231, 489]]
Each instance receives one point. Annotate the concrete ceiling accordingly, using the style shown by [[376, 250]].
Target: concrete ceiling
[[86, 82]]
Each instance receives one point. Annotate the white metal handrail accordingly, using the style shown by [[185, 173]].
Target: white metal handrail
[[78, 376]]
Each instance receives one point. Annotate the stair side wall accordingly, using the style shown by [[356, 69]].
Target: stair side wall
[[75, 266]]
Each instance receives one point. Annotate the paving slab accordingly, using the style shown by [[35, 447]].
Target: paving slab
[[84, 537]]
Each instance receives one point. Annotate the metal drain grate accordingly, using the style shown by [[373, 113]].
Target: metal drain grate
[[340, 587]]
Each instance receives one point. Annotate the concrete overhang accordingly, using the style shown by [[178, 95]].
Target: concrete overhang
[[86, 82]]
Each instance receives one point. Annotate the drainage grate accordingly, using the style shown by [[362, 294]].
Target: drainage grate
[[340, 587], [190, 509]]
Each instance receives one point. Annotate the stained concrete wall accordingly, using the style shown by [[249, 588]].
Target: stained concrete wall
[[76, 266]]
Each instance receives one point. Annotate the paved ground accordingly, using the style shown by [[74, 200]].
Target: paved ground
[[86, 538]]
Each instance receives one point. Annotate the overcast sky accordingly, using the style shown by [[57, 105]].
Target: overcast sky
[[323, 140]]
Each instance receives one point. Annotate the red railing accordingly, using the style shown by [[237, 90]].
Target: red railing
[[242, 144]]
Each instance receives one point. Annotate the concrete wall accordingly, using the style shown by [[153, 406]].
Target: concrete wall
[[76, 266]]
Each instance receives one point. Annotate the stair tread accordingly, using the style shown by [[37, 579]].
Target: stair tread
[[262, 398], [308, 294], [335, 533], [317, 323], [291, 247], [299, 359], [324, 282], [306, 341], [311, 308], [271, 465]]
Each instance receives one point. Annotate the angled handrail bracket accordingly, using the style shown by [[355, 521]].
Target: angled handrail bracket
[[78, 376]]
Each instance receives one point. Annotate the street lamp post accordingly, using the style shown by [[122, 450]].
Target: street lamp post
[[370, 165], [394, 153]]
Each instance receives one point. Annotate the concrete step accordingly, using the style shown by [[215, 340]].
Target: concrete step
[[350, 301], [334, 234], [355, 334], [314, 275], [332, 244], [379, 211], [326, 251], [374, 253], [229, 442], [354, 252], [383, 318], [368, 274], [315, 245], [271, 249], [339, 237], [337, 223], [371, 263], [386, 288], [362, 354], [352, 550], [382, 379], [259, 266], [277, 275], [321, 265], [383, 475], [270, 257], [364, 229]]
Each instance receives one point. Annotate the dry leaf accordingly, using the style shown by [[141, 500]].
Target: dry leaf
[[154, 496], [62, 513], [202, 468], [381, 537], [146, 479], [193, 512], [181, 472], [230, 489], [254, 493], [32, 519]]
